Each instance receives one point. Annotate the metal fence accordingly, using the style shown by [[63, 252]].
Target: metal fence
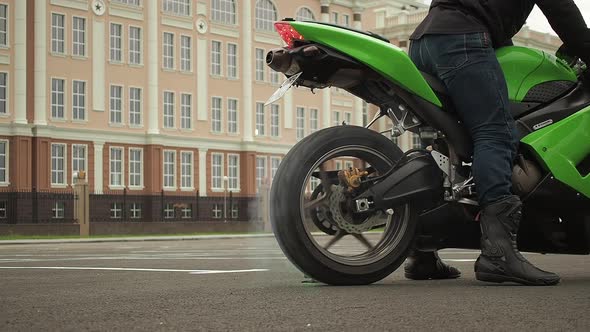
[[26, 207]]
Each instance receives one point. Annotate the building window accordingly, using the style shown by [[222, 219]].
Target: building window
[[168, 51], [274, 77], [135, 167], [57, 98], [338, 165], [335, 18], [3, 25], [134, 45], [233, 172], [78, 100], [58, 33], [260, 119], [348, 164], [274, 166], [129, 2], [216, 114], [348, 118], [365, 111], [177, 7], [313, 120], [116, 104], [215, 58], [223, 11], [58, 210], [186, 117], [135, 211], [135, 106], [416, 141], [266, 15], [116, 167], [216, 171], [186, 170], [58, 164], [216, 211], [168, 109], [336, 118], [345, 20], [260, 64], [274, 120], [3, 210], [300, 122], [79, 154], [305, 14], [169, 211], [187, 211], [116, 42], [78, 36], [185, 53], [235, 212], [116, 210], [232, 60], [3, 95], [260, 172], [314, 183], [232, 116], [170, 169], [3, 162]]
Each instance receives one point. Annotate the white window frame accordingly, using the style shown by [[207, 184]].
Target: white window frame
[[232, 116], [232, 62], [265, 13], [54, 96], [181, 8], [346, 20], [273, 169], [186, 212], [219, 15], [186, 111], [135, 55], [76, 44], [216, 56], [259, 176], [169, 212], [168, 110], [167, 51], [4, 102], [336, 118], [135, 3], [112, 103], [165, 175], [132, 174], [64, 171], [233, 179], [76, 159], [299, 122], [191, 168], [186, 54], [216, 211], [6, 31], [6, 167], [111, 172], [348, 118], [55, 41], [214, 177], [302, 14], [77, 97], [58, 211], [116, 54], [313, 120], [334, 18], [260, 120], [215, 122], [116, 209], [275, 120], [135, 107], [260, 64], [135, 210]]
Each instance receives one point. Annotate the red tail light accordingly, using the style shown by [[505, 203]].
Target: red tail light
[[288, 33]]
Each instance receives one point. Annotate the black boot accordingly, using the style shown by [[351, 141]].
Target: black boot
[[424, 265], [500, 259]]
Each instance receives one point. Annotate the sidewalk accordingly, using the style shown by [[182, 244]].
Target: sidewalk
[[138, 239]]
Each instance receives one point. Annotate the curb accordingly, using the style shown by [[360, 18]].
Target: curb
[[139, 239]]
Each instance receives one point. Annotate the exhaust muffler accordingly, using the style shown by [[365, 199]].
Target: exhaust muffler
[[280, 60]]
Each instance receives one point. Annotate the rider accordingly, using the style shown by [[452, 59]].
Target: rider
[[455, 43]]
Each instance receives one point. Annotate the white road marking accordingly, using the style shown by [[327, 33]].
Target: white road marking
[[128, 269]]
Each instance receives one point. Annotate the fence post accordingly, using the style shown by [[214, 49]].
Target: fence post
[[82, 201], [35, 206], [124, 204], [162, 205]]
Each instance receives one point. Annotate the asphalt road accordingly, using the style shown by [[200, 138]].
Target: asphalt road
[[248, 285]]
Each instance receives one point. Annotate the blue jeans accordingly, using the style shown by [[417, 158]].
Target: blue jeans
[[468, 66]]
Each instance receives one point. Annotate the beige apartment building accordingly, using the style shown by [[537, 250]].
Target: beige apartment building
[[167, 95]]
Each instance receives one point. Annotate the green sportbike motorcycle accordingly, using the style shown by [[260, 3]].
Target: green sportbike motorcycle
[[347, 205]]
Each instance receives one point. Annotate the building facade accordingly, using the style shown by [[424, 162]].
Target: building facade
[[151, 96]]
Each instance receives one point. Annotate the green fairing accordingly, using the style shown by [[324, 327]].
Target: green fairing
[[525, 68], [564, 145], [387, 59]]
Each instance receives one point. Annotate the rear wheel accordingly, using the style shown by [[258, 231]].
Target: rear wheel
[[313, 214]]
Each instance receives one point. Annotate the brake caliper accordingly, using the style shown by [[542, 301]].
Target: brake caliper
[[351, 178]]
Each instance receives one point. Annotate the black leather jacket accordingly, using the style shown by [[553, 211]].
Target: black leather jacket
[[504, 18]]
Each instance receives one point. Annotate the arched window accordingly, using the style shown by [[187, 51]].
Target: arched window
[[266, 15], [223, 11], [305, 14]]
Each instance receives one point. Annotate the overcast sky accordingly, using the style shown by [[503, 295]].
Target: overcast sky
[[538, 22]]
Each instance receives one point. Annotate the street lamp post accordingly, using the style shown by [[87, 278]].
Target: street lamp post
[[225, 180]]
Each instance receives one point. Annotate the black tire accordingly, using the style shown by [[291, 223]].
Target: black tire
[[286, 211]]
